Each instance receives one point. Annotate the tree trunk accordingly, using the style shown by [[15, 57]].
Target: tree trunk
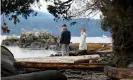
[[119, 18], [122, 45]]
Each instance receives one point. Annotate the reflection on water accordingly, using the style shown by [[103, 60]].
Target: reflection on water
[[26, 53]]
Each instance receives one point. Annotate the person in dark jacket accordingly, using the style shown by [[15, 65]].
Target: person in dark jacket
[[65, 40]]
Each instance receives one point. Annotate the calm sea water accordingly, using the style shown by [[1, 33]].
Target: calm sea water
[[26, 53]]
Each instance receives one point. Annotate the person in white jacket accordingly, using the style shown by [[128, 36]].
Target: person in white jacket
[[83, 44]]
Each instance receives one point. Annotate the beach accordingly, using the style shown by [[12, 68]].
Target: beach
[[42, 55]]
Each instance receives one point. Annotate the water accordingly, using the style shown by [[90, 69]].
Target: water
[[103, 39], [26, 53]]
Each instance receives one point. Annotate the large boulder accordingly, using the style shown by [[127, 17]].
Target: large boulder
[[43, 75], [7, 61]]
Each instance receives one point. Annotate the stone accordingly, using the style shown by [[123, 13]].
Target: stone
[[130, 65], [118, 73], [7, 63], [10, 42], [43, 75], [75, 71]]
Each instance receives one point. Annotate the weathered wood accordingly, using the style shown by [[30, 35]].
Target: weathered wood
[[61, 59], [93, 60], [41, 65], [120, 73]]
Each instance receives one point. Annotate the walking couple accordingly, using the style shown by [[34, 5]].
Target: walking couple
[[66, 37]]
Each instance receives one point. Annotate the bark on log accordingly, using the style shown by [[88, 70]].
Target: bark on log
[[120, 73], [58, 65]]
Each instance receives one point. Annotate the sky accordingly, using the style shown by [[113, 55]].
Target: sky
[[43, 8]]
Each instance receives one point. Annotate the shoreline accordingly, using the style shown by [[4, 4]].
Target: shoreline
[[74, 39]]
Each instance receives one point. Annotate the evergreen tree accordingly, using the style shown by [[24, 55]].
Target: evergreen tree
[[118, 15]]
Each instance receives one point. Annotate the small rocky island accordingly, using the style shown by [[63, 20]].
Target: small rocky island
[[30, 39], [37, 39]]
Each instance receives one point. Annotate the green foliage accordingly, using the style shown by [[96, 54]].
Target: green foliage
[[117, 13], [60, 9], [13, 8], [73, 23]]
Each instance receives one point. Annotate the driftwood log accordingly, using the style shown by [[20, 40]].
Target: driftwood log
[[62, 59], [93, 60], [41, 65], [119, 73]]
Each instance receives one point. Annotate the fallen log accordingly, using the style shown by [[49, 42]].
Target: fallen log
[[62, 59], [43, 65], [119, 73], [93, 60]]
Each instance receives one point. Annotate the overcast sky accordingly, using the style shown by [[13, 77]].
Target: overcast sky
[[43, 8]]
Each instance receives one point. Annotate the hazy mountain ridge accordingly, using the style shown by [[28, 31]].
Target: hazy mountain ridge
[[46, 21]]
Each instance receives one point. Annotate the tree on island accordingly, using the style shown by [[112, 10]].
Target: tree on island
[[117, 18]]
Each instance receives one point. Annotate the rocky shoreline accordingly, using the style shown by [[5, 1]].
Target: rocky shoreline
[[45, 40], [73, 74]]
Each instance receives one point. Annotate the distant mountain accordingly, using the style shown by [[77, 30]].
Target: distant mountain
[[45, 21]]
